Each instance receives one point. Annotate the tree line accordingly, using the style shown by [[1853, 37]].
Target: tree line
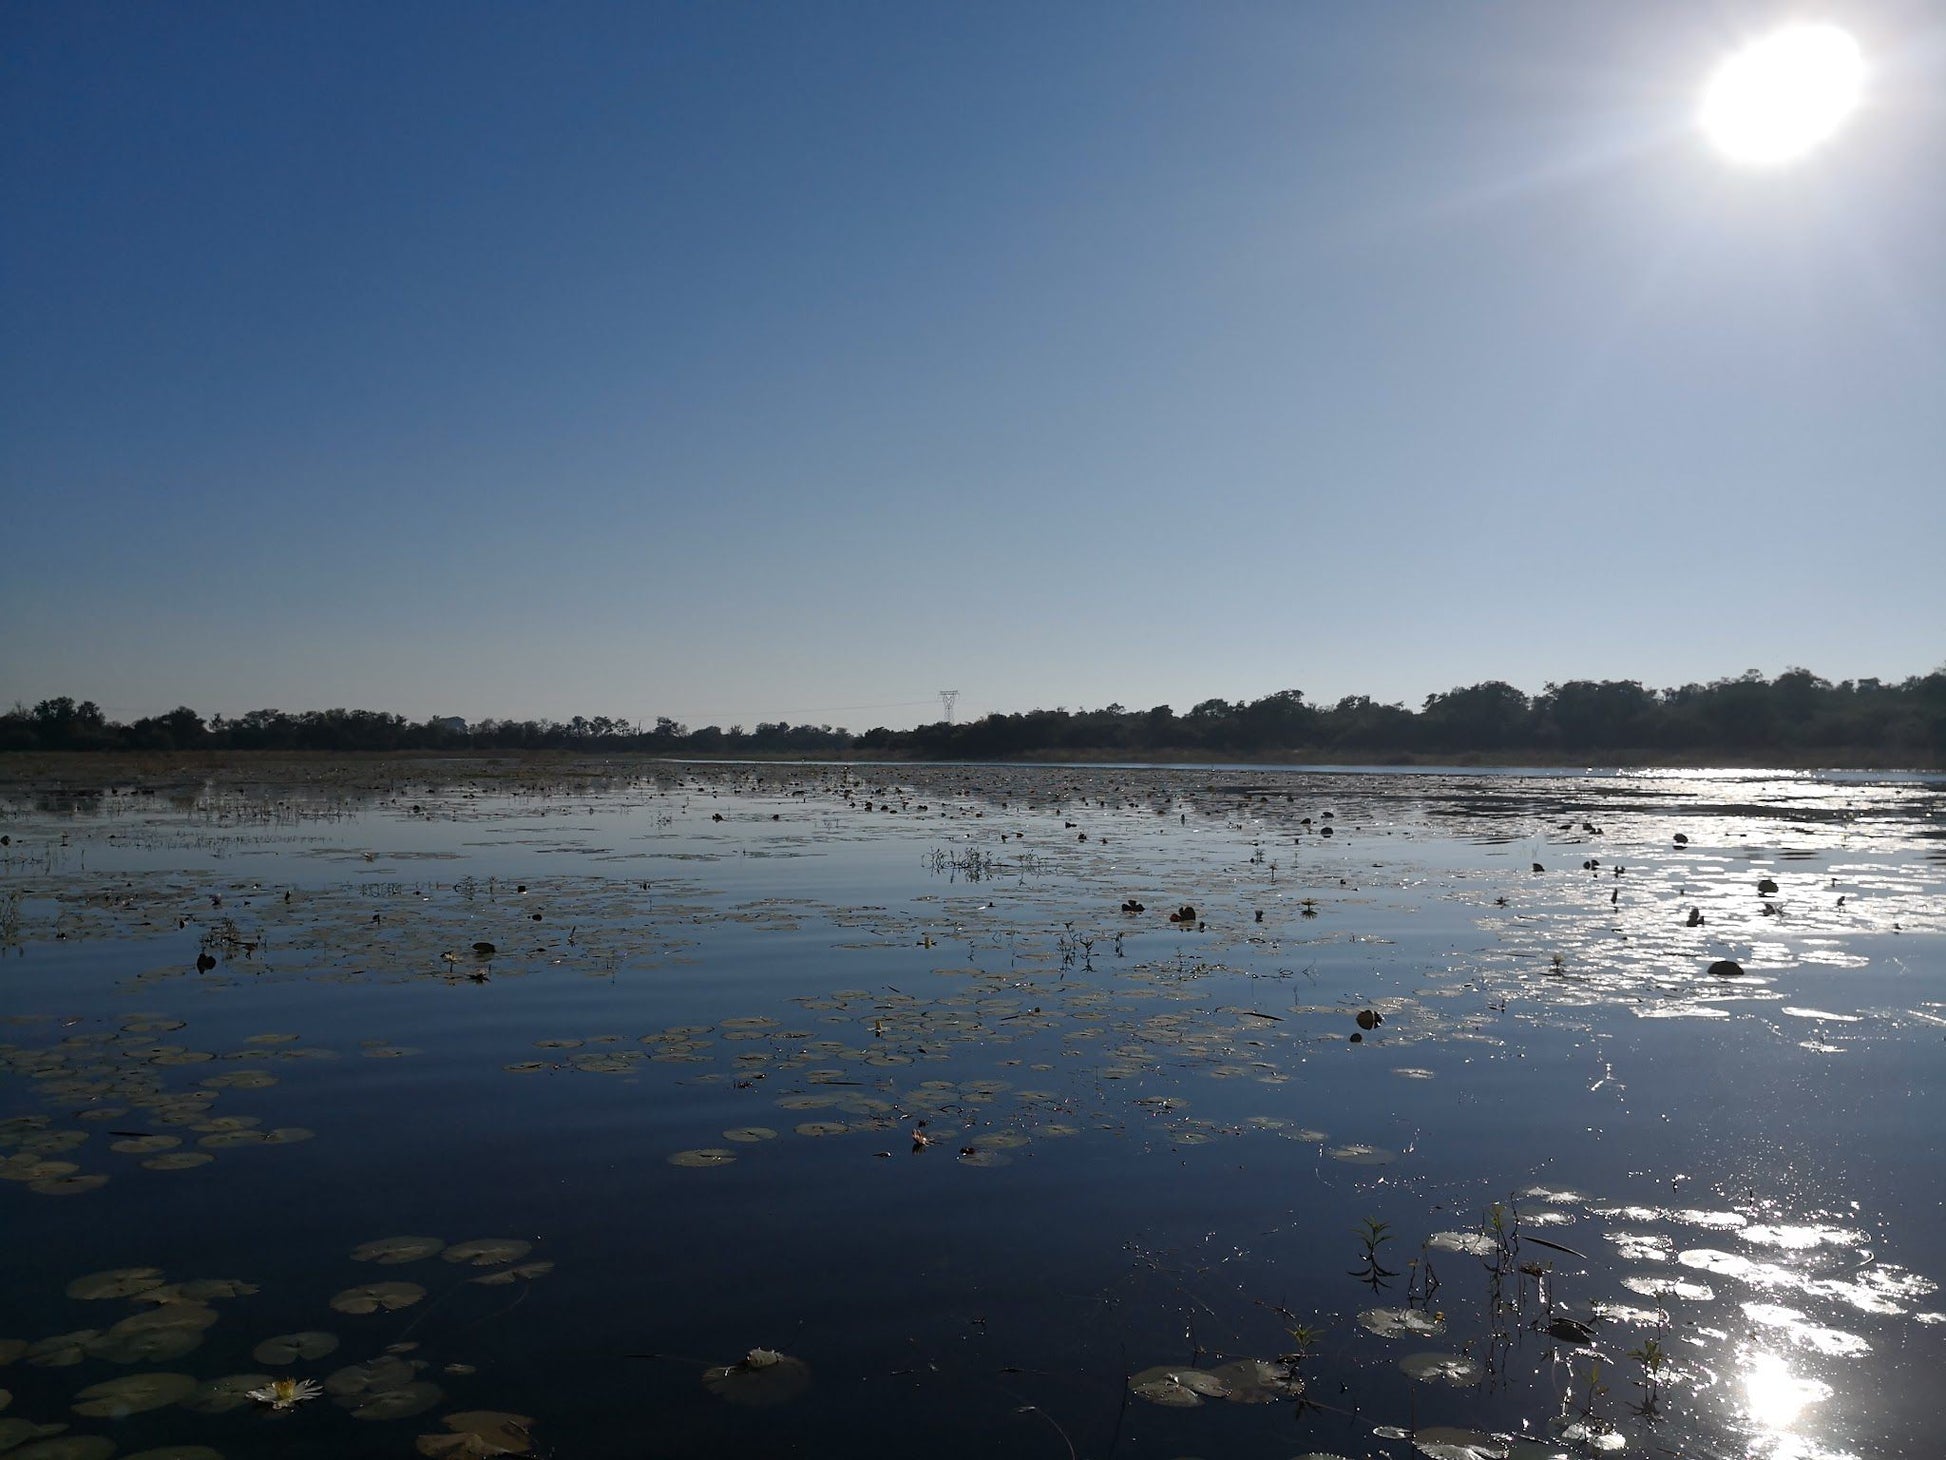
[[1797, 715]]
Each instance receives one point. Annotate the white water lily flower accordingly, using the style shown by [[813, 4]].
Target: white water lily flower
[[283, 1393]]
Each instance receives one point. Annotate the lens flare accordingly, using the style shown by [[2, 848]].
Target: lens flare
[[1780, 97]]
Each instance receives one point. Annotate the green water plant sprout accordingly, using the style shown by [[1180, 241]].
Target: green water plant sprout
[[1372, 1234]]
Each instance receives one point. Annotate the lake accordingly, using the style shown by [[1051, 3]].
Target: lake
[[576, 1108]]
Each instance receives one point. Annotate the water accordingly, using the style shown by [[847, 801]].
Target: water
[[1697, 1215]]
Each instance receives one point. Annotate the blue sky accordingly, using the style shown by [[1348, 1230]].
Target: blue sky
[[743, 362]]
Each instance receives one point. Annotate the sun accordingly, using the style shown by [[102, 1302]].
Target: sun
[[1778, 98]]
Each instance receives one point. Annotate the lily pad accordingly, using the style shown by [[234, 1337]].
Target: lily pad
[[286, 1349], [478, 1432], [1473, 1244], [524, 1272], [1176, 1387], [172, 1314], [749, 1134], [203, 1290], [391, 1251], [370, 1297], [401, 1403], [822, 1128], [177, 1452], [68, 1186], [144, 1145], [117, 1282], [1443, 1442], [1361, 1155], [66, 1447], [219, 1396], [1258, 1381], [178, 1160], [225, 1140], [1455, 1369], [1401, 1323], [20, 1431], [374, 1376], [704, 1156], [488, 1251], [62, 1351], [146, 1345], [116, 1398], [760, 1378]]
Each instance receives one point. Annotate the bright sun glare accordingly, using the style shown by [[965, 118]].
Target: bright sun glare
[[1776, 99]]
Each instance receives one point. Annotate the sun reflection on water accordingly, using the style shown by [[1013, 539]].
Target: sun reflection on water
[[1775, 1398]]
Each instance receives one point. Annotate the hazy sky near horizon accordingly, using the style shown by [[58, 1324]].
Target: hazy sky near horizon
[[745, 362]]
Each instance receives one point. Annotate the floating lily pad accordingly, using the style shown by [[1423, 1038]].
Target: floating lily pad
[[232, 1391], [748, 1134], [1401, 1323], [401, 1403], [1473, 1244], [117, 1282], [290, 1348], [62, 1351], [480, 1432], [391, 1251], [374, 1376], [1443, 1442], [760, 1378], [370, 1297], [822, 1128], [115, 1398], [807, 1102], [226, 1140], [1359, 1155], [68, 1186], [1176, 1387], [66, 1447], [20, 1431], [178, 1160], [203, 1290], [524, 1272], [1258, 1381], [146, 1346], [144, 1145], [488, 1251], [704, 1156], [172, 1314], [239, 1080], [1455, 1369]]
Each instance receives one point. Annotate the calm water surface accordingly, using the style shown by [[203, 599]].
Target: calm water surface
[[866, 1066]]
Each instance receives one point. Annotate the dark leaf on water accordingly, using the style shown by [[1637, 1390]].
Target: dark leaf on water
[[760, 1378], [488, 1251], [481, 1432], [290, 1348]]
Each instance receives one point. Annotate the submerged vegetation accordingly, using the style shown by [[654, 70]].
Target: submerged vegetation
[[1796, 717]]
